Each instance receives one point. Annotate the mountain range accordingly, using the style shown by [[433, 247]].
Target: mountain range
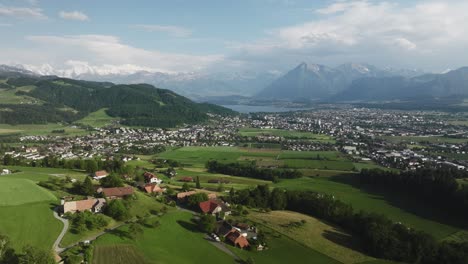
[[351, 82], [317, 82]]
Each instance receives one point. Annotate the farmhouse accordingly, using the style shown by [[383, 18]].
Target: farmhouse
[[186, 179], [151, 178], [237, 239], [116, 193], [92, 205], [100, 174], [152, 188], [214, 207]]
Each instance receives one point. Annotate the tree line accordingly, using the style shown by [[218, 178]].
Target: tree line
[[252, 171], [88, 165], [437, 186], [380, 236]]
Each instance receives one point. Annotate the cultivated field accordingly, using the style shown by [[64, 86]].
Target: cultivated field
[[252, 132], [118, 254], [39, 129]]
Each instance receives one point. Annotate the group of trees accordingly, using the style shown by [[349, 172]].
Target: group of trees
[[30, 255], [381, 237], [88, 165], [117, 209], [438, 186], [252, 171], [83, 221]]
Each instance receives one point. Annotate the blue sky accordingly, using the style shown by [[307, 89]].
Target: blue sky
[[244, 35]]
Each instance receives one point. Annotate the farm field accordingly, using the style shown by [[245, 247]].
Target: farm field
[[176, 240], [26, 213], [39, 130], [198, 156], [118, 254], [97, 119], [396, 207], [252, 132], [313, 233]]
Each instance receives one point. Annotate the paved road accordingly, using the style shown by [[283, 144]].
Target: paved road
[[222, 247], [57, 242]]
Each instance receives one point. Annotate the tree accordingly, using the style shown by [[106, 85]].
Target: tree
[[135, 230], [117, 210], [220, 187], [207, 223], [185, 187], [33, 255], [87, 187], [195, 199], [278, 199], [198, 186], [112, 181], [7, 160], [91, 166]]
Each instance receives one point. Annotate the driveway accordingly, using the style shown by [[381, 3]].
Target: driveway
[[57, 242]]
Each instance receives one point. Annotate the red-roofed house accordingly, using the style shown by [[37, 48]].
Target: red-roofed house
[[186, 179], [117, 192], [214, 207], [237, 239], [100, 174]]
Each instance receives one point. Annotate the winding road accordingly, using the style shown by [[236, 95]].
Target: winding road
[[57, 242]]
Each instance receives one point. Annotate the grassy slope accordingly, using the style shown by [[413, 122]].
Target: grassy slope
[[20, 191], [175, 241], [398, 208], [314, 234], [97, 119]]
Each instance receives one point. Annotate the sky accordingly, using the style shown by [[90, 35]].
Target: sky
[[117, 36]]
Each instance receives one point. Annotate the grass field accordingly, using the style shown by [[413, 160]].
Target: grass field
[[397, 207], [175, 241], [20, 191], [97, 119], [314, 234], [26, 213], [39, 130], [252, 132]]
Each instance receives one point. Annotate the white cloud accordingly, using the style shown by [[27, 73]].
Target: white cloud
[[428, 33], [107, 54], [74, 15], [22, 12], [175, 31]]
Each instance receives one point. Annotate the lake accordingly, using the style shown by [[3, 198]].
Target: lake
[[255, 109]]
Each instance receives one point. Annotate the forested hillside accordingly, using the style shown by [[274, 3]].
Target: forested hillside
[[33, 100]]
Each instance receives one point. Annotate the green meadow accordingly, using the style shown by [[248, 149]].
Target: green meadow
[[176, 240], [252, 132]]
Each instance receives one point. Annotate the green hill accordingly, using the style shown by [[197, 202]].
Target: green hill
[[39, 100]]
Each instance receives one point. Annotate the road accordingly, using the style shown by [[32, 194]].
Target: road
[[222, 247], [57, 242]]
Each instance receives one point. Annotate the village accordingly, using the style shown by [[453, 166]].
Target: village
[[394, 139]]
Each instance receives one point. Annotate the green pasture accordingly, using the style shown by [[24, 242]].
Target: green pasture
[[395, 206], [97, 119], [176, 240]]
